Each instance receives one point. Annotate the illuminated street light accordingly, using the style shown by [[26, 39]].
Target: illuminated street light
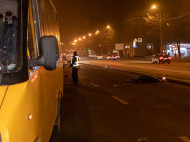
[[160, 23], [89, 34], [108, 27], [97, 32], [75, 40], [74, 43], [80, 39], [84, 37], [154, 6]]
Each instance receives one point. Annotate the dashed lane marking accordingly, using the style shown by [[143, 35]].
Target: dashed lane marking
[[120, 100], [95, 85], [184, 138]]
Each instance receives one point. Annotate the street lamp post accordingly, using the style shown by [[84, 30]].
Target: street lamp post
[[91, 41], [161, 36], [108, 39], [160, 25], [84, 45]]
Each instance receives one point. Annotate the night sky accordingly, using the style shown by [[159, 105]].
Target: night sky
[[77, 17]]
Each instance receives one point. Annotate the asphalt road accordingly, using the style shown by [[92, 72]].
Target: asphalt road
[[104, 108], [175, 70]]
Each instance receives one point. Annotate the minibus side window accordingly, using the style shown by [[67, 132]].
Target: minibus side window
[[36, 20], [31, 40]]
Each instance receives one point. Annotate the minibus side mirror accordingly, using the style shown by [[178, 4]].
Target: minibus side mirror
[[49, 54]]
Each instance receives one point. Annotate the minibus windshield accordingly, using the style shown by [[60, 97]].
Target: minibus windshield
[[8, 35]]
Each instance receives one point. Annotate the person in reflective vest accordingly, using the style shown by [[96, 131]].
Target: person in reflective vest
[[75, 66]]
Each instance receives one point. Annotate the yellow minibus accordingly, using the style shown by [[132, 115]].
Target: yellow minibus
[[31, 72]]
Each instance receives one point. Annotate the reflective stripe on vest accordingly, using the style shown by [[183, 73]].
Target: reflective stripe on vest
[[77, 62]]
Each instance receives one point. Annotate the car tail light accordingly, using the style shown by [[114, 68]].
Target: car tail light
[[161, 58], [169, 58]]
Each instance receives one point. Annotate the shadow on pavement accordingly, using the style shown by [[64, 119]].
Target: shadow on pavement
[[75, 119]]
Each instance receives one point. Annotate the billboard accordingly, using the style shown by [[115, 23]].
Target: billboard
[[119, 46]]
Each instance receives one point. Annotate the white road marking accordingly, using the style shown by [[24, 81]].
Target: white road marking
[[184, 138], [95, 85], [115, 85], [120, 100]]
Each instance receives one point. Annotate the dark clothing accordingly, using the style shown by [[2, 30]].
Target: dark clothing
[[75, 75], [74, 70], [74, 60]]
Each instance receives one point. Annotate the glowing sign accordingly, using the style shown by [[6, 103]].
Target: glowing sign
[[140, 40], [135, 43]]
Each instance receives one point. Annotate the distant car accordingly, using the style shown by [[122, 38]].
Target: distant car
[[118, 57], [92, 55], [111, 57], [99, 57], [161, 59]]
